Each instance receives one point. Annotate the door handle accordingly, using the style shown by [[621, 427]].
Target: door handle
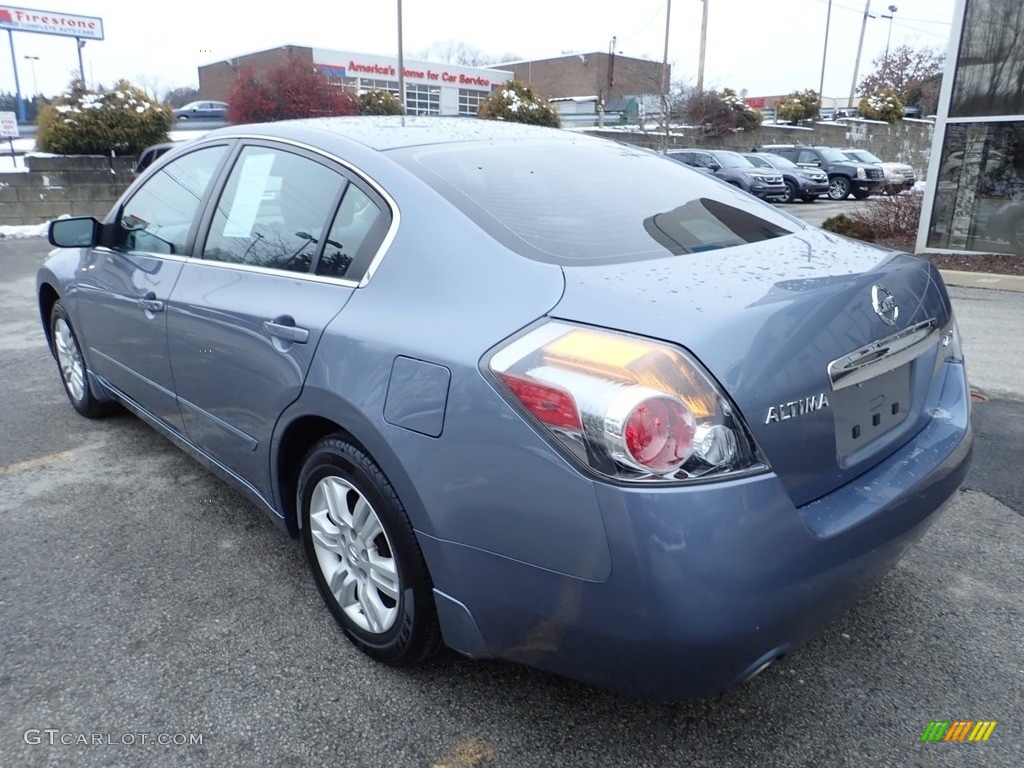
[[151, 303], [284, 328]]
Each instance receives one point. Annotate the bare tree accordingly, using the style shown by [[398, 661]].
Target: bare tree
[[454, 51], [179, 97], [150, 84], [905, 71]]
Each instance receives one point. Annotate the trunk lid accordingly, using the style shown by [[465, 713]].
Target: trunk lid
[[785, 325]]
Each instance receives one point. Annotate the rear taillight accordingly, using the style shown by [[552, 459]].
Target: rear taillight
[[626, 407]]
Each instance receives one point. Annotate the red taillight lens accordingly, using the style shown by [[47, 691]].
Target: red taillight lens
[[549, 404], [659, 433], [627, 407]]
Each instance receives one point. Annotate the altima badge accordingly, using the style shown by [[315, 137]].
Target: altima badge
[[884, 304], [794, 408]]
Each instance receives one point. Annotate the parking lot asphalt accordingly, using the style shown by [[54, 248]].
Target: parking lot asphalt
[[143, 601]]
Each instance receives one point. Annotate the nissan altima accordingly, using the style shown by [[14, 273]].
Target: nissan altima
[[525, 393]]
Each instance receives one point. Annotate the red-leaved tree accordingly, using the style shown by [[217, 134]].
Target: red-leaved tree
[[286, 92]]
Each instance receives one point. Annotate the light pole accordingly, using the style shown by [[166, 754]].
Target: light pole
[[35, 88], [892, 12]]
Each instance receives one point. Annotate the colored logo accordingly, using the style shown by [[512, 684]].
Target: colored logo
[[958, 730], [5, 15]]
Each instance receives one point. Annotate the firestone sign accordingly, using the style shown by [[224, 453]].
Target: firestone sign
[[50, 23]]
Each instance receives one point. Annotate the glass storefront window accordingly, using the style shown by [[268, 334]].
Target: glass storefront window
[[979, 199]]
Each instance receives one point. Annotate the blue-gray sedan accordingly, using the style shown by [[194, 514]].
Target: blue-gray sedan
[[525, 393]]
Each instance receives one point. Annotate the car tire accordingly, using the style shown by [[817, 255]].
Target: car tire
[[364, 555], [838, 188], [790, 195], [861, 194], [74, 372]]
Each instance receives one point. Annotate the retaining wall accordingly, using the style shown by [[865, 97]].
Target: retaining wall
[[77, 185]]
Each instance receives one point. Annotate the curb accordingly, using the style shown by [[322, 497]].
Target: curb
[[983, 280]]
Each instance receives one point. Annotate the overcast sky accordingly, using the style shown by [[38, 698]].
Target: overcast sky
[[766, 47]]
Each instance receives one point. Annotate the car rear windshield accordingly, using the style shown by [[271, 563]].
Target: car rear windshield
[[591, 202]]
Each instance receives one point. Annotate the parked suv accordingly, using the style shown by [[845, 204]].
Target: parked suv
[[844, 175], [807, 184], [735, 169], [898, 176]]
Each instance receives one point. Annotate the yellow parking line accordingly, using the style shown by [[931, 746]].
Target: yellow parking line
[[50, 458], [468, 754]]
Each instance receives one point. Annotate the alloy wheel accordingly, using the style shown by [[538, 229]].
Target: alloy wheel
[[69, 358], [354, 554]]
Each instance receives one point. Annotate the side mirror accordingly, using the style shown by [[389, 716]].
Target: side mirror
[[80, 232], [714, 167]]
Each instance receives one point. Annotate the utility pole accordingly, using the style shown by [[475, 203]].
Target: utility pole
[[703, 46], [824, 55], [664, 75], [860, 47]]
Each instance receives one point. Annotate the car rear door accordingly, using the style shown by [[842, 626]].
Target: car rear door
[[123, 289], [276, 267]]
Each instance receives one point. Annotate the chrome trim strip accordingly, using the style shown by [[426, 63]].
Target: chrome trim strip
[[396, 214], [883, 355], [283, 273], [147, 254]]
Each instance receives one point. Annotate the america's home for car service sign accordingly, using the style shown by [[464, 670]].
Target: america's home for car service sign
[[50, 22]]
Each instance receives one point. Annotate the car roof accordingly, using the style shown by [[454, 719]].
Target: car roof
[[394, 132]]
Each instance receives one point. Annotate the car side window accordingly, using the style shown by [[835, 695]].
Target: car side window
[[158, 217], [356, 233], [807, 157], [273, 210]]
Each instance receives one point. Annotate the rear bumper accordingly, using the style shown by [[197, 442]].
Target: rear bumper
[[708, 582]]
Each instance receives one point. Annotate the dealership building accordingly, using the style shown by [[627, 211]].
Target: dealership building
[[430, 88], [977, 201], [585, 82]]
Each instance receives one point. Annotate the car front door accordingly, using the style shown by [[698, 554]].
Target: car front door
[[245, 319], [123, 289]]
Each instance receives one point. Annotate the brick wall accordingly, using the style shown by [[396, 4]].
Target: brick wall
[[907, 141], [587, 75], [215, 79], [78, 185]]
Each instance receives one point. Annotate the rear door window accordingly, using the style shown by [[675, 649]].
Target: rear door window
[[355, 235], [274, 210]]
